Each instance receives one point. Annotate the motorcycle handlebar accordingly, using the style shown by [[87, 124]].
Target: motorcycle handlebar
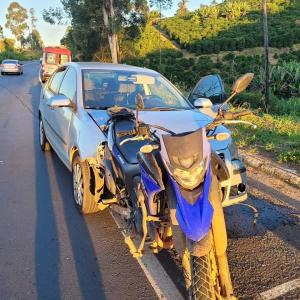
[[233, 115], [242, 113]]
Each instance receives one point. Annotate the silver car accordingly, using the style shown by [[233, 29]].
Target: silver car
[[73, 115], [11, 66]]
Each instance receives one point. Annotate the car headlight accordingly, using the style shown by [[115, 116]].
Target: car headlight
[[192, 177]]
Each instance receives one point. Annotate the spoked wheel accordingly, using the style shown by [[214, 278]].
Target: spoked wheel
[[78, 184], [44, 144], [85, 201]]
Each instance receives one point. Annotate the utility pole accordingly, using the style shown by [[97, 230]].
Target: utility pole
[[266, 46]]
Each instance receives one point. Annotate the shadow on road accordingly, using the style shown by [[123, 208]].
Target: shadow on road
[[48, 260]]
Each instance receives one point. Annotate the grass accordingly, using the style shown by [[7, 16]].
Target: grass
[[278, 135]]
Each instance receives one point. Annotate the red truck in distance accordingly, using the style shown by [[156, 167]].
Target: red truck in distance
[[53, 57]]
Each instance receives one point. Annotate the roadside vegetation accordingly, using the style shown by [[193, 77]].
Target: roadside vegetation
[[234, 25], [277, 135], [28, 43]]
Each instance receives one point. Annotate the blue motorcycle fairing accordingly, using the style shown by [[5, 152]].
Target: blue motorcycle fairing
[[194, 219], [151, 188]]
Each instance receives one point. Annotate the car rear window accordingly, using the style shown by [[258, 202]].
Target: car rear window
[[10, 61], [51, 58]]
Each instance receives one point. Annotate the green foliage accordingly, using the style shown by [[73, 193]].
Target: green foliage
[[9, 44], [16, 18], [285, 79], [20, 55], [234, 25], [88, 34], [277, 134], [150, 41]]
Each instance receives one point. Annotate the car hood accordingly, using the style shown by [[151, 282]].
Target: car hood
[[177, 121]]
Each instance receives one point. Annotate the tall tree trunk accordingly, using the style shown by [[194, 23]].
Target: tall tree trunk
[[266, 46], [109, 19]]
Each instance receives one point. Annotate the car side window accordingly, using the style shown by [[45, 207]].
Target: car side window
[[68, 85], [56, 80]]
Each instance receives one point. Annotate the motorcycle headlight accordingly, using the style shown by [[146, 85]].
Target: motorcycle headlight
[[192, 177]]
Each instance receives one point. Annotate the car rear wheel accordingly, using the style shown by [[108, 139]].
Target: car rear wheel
[[84, 199], [44, 144]]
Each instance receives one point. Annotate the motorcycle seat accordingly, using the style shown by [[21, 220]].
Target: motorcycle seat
[[130, 149]]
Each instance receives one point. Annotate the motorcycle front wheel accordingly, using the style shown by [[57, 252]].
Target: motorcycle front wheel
[[201, 287]]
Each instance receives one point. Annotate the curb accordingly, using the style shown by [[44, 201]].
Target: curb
[[270, 169]]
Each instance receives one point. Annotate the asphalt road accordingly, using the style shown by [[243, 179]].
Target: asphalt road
[[49, 251]]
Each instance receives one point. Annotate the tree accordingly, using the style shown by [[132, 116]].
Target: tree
[[1, 33], [35, 41], [182, 8], [33, 18], [96, 24], [161, 4], [9, 44], [16, 20], [37, 36]]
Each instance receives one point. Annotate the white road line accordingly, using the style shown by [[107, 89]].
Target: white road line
[[280, 289], [161, 282]]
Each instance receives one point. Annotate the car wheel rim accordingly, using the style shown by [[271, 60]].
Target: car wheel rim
[[42, 134], [78, 184]]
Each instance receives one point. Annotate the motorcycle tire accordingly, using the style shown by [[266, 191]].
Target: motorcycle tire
[[201, 279]]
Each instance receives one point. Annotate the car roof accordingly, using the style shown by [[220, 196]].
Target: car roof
[[110, 67], [6, 60]]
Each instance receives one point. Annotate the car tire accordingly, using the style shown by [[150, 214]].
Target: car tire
[[2, 73], [84, 200], [44, 144]]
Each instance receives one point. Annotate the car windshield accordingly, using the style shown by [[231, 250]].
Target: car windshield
[[103, 89], [7, 61]]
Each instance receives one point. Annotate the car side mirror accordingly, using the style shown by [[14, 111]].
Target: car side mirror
[[59, 101], [203, 103]]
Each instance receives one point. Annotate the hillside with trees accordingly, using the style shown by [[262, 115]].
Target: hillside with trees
[[234, 25]]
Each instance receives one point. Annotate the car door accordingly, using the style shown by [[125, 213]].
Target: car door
[[62, 116], [210, 87], [49, 114]]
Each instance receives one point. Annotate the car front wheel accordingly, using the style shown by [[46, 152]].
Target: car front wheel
[[44, 144], [85, 200]]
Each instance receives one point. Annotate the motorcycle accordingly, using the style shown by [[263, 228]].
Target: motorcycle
[[170, 191]]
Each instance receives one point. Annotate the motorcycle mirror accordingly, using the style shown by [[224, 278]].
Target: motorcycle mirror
[[242, 83], [239, 86], [139, 104]]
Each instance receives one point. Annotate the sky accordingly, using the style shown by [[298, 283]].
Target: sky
[[52, 34]]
